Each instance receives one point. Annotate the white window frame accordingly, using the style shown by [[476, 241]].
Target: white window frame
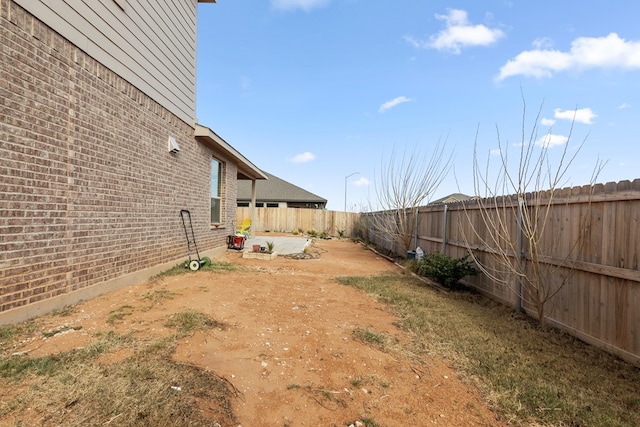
[[216, 192]]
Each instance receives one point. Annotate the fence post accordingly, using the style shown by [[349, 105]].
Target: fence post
[[520, 256], [444, 230], [416, 213]]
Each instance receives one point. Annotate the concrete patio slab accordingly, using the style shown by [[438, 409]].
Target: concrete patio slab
[[283, 245]]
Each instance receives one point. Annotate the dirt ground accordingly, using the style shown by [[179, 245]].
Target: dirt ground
[[289, 349]]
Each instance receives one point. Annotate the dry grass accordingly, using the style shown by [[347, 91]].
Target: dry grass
[[92, 386], [530, 376], [97, 385]]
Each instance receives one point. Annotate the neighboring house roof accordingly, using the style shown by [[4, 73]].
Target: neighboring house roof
[[276, 190], [452, 198]]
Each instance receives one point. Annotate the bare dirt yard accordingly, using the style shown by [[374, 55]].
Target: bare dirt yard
[[294, 347]]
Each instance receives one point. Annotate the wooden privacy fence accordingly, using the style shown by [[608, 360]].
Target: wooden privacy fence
[[591, 238], [290, 219]]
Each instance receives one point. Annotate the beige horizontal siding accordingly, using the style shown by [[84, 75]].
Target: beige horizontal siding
[[151, 44]]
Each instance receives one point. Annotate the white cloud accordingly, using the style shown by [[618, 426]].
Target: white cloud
[[550, 140], [361, 182], [303, 158], [547, 122], [393, 103], [542, 43], [305, 5], [459, 33], [583, 115], [585, 53], [623, 106]]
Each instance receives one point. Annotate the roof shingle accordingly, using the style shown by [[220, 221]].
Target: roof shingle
[[275, 189]]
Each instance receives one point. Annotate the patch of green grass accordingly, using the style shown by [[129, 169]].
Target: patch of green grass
[[189, 321], [370, 380], [119, 314], [10, 332], [60, 330], [105, 343], [173, 271], [222, 266], [158, 295], [181, 269], [370, 422], [371, 337], [16, 366], [531, 376], [161, 347], [64, 311]]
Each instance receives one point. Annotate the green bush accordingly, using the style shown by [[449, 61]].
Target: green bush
[[446, 270]]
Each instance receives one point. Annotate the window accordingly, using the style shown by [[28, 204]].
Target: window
[[272, 205], [216, 191]]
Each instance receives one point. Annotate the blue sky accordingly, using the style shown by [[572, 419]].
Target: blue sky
[[313, 91]]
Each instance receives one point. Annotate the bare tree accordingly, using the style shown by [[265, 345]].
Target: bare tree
[[402, 185], [516, 208]]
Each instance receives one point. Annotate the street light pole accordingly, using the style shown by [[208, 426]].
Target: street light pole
[[345, 188]]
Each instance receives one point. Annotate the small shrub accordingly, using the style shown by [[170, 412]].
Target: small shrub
[[446, 270], [312, 233], [341, 233]]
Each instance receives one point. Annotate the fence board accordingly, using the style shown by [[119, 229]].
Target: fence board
[[600, 302], [590, 236], [290, 219]]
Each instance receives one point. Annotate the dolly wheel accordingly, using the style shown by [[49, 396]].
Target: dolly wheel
[[194, 265]]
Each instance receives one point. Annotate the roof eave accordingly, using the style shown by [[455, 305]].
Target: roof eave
[[267, 199], [246, 169]]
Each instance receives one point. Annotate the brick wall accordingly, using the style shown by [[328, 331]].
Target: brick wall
[[89, 191]]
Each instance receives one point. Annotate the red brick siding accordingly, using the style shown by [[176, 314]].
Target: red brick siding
[[89, 190]]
